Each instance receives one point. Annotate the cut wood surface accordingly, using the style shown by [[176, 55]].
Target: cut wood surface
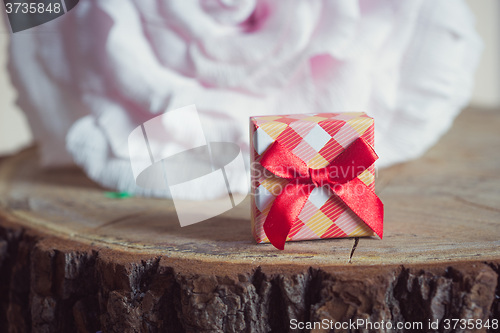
[[72, 259]]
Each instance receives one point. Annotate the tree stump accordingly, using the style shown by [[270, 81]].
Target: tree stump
[[73, 260]]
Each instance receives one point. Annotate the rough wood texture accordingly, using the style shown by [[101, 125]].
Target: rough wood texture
[[72, 260]]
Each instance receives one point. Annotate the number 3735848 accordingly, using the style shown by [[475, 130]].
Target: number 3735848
[[32, 8]]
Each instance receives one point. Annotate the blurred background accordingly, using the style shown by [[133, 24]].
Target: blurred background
[[15, 134]]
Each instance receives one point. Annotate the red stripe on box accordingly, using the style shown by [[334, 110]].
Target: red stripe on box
[[331, 126], [331, 150], [295, 228], [289, 138], [334, 232]]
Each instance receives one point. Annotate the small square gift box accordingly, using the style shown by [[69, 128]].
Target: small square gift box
[[313, 177]]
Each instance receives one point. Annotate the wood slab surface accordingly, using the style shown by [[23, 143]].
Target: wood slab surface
[[442, 229]]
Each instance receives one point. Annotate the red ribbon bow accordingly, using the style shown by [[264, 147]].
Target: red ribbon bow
[[339, 175]]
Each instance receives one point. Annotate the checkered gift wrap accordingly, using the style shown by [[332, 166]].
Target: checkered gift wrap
[[317, 139]]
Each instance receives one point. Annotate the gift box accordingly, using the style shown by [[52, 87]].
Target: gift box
[[313, 177]]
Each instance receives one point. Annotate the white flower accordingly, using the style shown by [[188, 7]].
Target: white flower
[[114, 64]]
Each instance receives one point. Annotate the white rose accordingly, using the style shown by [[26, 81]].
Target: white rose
[[108, 66]]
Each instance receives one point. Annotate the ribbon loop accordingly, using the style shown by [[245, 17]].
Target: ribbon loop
[[340, 176], [283, 163]]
